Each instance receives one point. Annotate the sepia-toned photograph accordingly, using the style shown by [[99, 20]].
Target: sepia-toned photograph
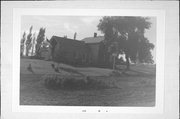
[[88, 61]]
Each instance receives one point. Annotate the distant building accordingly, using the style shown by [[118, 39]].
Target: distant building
[[45, 50]]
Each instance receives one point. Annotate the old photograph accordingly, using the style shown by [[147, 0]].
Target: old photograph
[[88, 61]]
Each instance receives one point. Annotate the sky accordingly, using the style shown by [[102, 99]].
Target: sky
[[84, 26], [60, 26]]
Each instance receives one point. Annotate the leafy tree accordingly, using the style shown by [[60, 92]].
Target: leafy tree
[[145, 55], [22, 43], [126, 35], [40, 39], [28, 41], [33, 43]]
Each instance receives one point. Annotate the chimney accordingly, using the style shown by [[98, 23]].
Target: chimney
[[95, 35], [75, 35]]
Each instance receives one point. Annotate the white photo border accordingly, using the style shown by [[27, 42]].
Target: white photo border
[[160, 58]]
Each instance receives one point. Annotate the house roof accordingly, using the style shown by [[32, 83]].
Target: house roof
[[97, 39], [67, 42], [57, 38]]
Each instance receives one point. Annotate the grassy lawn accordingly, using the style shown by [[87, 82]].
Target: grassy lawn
[[130, 90]]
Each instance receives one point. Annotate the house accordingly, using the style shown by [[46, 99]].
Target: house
[[89, 51], [70, 51]]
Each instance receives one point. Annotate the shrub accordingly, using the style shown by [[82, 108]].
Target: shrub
[[116, 73], [74, 83], [96, 83], [55, 81]]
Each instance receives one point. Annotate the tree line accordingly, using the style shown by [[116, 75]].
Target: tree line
[[30, 44]]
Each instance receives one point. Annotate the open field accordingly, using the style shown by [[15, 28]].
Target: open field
[[137, 88]]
